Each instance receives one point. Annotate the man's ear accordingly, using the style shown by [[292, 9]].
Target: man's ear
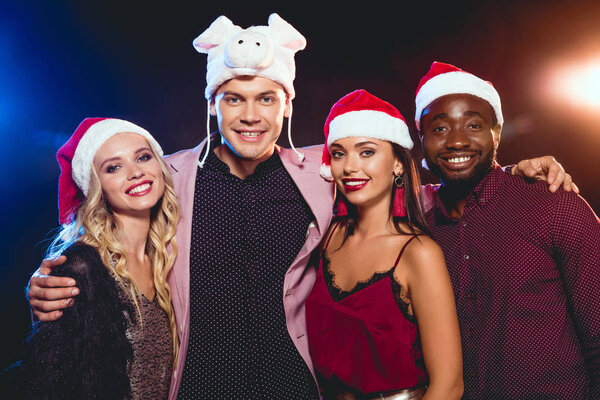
[[496, 131], [213, 108], [288, 106]]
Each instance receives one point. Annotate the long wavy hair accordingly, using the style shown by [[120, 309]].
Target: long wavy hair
[[411, 181], [95, 225]]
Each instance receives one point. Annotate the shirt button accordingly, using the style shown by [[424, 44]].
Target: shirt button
[[464, 223], [466, 257], [470, 295]]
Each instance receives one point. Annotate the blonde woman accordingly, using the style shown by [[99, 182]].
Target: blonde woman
[[119, 213]]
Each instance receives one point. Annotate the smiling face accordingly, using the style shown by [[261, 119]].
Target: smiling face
[[363, 169], [130, 175], [250, 112], [460, 137]]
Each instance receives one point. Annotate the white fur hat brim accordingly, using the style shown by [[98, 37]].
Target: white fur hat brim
[[369, 123], [456, 82]]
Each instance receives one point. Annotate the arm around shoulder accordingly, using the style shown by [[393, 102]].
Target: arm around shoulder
[[48, 295], [432, 300]]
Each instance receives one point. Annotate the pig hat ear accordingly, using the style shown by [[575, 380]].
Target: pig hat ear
[[266, 51], [221, 29], [286, 34]]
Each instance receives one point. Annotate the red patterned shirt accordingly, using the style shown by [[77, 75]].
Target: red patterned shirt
[[525, 268]]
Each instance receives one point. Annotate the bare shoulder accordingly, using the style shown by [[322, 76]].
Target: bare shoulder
[[424, 256], [422, 246]]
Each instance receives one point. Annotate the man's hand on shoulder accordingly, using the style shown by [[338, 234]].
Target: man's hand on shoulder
[[547, 169], [49, 295]]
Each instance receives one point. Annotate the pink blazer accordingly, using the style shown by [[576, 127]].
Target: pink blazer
[[298, 280]]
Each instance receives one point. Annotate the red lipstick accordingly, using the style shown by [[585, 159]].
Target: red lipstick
[[141, 185], [352, 185]]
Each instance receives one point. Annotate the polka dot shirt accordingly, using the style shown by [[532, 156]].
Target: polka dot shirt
[[245, 235], [525, 268]]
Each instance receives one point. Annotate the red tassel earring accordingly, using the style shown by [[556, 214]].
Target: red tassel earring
[[342, 208], [398, 208]]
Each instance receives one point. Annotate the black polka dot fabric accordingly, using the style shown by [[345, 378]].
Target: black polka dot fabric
[[525, 268], [245, 235]]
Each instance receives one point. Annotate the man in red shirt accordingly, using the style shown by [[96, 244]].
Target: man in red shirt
[[524, 262]]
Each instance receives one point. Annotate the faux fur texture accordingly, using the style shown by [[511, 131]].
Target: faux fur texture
[[84, 354]]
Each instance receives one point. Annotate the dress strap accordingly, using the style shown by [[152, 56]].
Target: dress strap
[[402, 251], [330, 235]]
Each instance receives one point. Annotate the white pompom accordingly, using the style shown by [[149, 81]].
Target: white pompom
[[325, 172]]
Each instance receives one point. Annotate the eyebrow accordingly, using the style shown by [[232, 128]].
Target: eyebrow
[[445, 115], [359, 144], [111, 159], [365, 143], [439, 116], [233, 93], [228, 93]]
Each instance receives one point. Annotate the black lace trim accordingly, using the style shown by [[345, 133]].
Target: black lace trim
[[338, 294]]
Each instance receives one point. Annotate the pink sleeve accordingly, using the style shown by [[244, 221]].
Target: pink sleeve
[[427, 193]]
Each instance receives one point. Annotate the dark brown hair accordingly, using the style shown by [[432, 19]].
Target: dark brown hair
[[415, 214]]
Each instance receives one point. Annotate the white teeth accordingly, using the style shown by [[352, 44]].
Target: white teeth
[[459, 159], [250, 134], [140, 188], [354, 183]]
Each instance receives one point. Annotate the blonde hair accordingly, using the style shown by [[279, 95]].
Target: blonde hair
[[95, 225]]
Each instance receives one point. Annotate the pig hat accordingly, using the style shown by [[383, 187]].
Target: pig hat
[[265, 51], [360, 114], [444, 79]]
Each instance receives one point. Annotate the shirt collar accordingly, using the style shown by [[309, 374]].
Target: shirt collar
[[481, 194], [264, 168], [488, 186]]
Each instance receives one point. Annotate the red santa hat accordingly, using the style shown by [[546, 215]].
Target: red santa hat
[[76, 156], [444, 79], [360, 114]]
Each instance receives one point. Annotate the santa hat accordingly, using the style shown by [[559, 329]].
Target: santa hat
[[444, 79], [360, 114], [265, 51], [76, 156]]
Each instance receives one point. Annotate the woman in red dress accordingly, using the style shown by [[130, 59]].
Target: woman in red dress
[[381, 317]]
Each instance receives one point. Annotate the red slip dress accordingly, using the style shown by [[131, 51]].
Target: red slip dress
[[365, 339]]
